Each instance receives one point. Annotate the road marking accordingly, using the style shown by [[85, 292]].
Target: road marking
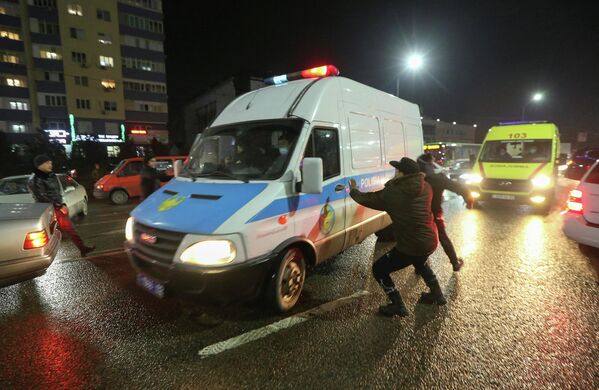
[[288, 322], [106, 252]]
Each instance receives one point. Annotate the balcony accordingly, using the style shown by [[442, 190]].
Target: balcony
[[17, 92], [11, 44], [147, 96], [139, 74], [53, 112], [50, 86], [145, 54], [45, 64], [9, 20], [46, 39], [142, 116], [15, 115], [10, 68]]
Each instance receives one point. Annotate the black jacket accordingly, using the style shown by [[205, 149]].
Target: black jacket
[[45, 188], [407, 200], [150, 180], [440, 183]]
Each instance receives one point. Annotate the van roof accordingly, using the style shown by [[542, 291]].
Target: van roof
[[531, 130], [313, 99]]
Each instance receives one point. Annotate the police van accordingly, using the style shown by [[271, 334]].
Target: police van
[[518, 162], [265, 192]]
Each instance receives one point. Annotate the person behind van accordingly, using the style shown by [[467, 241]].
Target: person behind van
[[440, 183], [97, 172], [150, 177], [407, 199]]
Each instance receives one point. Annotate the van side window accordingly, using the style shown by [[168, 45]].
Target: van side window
[[131, 169], [324, 143]]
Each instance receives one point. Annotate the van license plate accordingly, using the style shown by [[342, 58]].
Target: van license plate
[[504, 197], [151, 285]]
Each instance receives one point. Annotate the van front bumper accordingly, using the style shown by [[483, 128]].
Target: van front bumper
[[222, 284], [99, 194], [515, 197]]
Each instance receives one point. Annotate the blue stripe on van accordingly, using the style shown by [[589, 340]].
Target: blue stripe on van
[[299, 202], [211, 206]]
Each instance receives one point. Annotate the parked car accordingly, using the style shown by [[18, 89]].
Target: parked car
[[30, 240], [581, 220], [124, 180], [457, 168], [13, 189], [581, 161]]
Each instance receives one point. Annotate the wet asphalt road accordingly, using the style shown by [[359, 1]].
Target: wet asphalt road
[[523, 313]]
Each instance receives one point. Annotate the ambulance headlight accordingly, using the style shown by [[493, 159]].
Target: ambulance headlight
[[541, 181], [212, 252], [473, 179], [129, 229]]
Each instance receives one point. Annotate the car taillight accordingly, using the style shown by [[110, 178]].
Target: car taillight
[[35, 240], [575, 201]]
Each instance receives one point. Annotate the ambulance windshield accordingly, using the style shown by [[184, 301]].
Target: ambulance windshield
[[525, 151], [244, 151]]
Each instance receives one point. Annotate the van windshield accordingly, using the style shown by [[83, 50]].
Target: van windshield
[[524, 151], [257, 150]]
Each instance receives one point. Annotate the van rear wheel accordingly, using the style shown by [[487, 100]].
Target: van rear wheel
[[286, 285], [119, 197]]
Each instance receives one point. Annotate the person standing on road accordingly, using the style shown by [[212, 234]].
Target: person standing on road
[[440, 183], [407, 200], [97, 172], [150, 177], [44, 186]]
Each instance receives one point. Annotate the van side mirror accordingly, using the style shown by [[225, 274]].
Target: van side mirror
[[312, 175], [177, 166]]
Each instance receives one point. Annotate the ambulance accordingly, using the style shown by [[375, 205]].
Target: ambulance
[[518, 162], [265, 193]]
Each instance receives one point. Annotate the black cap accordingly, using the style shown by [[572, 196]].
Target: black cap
[[406, 165], [40, 159]]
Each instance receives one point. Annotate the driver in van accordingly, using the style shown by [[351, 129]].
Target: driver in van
[[284, 145]]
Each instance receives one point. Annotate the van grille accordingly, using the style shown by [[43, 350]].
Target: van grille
[[507, 185], [161, 247]]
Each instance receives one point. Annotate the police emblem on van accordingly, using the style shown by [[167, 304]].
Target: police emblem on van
[[171, 202], [148, 238]]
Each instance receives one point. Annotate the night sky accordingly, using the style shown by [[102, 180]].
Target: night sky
[[483, 58]]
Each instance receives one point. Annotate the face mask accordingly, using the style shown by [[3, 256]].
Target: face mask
[[283, 150]]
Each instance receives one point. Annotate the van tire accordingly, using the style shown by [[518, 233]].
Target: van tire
[[84, 208], [385, 234], [287, 282], [119, 197]]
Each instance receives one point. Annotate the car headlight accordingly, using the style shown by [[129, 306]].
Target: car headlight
[[473, 179], [541, 181], [212, 252], [129, 229], [99, 186]]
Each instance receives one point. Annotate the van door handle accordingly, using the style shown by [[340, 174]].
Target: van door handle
[[339, 187]]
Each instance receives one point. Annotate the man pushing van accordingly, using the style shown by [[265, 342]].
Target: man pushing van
[[407, 199]]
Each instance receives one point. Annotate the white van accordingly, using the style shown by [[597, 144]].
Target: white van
[[265, 191]]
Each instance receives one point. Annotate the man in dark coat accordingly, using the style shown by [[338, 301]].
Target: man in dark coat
[[440, 183], [407, 200], [150, 177], [44, 186]]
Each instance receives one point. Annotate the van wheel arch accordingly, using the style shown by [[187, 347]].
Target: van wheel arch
[[305, 245]]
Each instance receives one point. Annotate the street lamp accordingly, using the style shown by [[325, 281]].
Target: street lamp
[[536, 97], [414, 62]]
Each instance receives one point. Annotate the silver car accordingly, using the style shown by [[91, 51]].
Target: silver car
[[30, 240], [13, 189]]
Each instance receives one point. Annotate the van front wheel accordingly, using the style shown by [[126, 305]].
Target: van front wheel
[[119, 197], [285, 286]]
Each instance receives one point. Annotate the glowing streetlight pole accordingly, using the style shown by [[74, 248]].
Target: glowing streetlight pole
[[537, 97], [414, 62]]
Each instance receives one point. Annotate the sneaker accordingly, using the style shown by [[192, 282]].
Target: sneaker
[[86, 249], [458, 264], [393, 309], [428, 298]]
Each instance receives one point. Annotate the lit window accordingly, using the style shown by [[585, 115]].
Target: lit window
[[2, 10], [104, 39], [10, 35], [106, 62], [50, 54], [19, 106], [18, 128], [14, 82], [75, 9], [109, 84]]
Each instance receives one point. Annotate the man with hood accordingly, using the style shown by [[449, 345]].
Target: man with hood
[[407, 200], [440, 183], [44, 186]]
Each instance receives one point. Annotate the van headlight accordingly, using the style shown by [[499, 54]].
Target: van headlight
[[541, 181], [211, 252], [473, 179], [129, 229]]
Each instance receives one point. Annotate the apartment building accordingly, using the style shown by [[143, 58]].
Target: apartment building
[[83, 69]]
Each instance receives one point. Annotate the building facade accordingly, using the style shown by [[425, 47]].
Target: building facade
[[201, 111], [83, 69]]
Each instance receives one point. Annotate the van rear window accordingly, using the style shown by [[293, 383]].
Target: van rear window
[[524, 151]]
